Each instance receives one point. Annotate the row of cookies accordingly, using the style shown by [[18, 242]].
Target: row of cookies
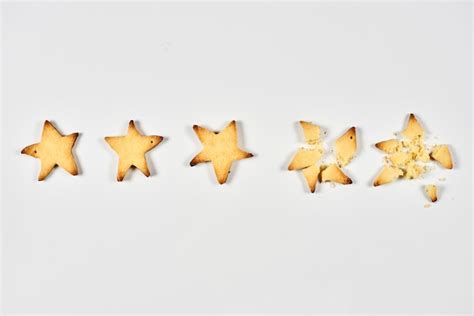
[[54, 149], [404, 156]]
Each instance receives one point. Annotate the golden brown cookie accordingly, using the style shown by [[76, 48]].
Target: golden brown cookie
[[305, 157], [441, 154], [432, 192], [387, 175], [311, 174], [413, 129], [389, 146], [332, 173], [53, 150], [131, 150], [220, 148], [346, 147], [311, 132]]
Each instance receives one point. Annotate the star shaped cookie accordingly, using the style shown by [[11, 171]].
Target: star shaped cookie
[[53, 150], [220, 148], [131, 150], [307, 159]]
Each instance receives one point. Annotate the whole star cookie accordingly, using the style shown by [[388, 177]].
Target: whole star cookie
[[219, 148], [131, 150], [53, 150]]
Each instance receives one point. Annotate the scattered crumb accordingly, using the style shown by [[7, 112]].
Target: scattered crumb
[[333, 185], [427, 205], [442, 179]]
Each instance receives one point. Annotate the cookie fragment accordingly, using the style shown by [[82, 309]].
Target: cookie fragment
[[332, 173], [304, 158], [311, 175], [219, 148], [432, 192], [53, 150], [441, 154], [413, 129], [131, 150], [389, 146], [387, 175], [346, 147], [311, 132]]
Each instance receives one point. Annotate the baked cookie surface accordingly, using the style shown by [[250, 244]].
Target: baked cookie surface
[[53, 150], [131, 150], [219, 148]]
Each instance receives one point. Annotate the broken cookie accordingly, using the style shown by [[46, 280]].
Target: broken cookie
[[387, 175], [413, 129], [432, 192], [346, 147], [389, 146], [332, 173], [441, 154], [407, 158], [307, 159], [311, 174]]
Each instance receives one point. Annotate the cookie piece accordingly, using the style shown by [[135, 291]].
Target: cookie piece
[[413, 129], [346, 146], [311, 174], [53, 150], [311, 132], [432, 192], [220, 148], [441, 154], [332, 173], [131, 150], [305, 158], [387, 175], [389, 146]]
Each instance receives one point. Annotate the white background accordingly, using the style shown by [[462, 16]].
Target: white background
[[179, 242]]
